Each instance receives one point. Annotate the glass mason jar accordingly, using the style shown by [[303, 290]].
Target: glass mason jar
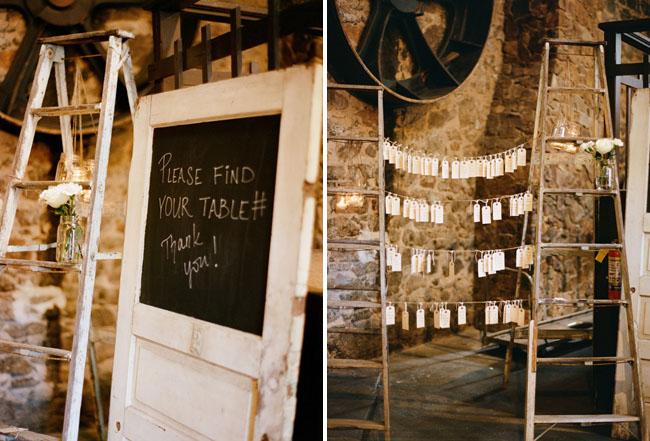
[[69, 239], [604, 173]]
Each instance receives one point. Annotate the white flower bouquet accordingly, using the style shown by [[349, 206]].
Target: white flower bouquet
[[69, 234], [62, 198], [602, 148]]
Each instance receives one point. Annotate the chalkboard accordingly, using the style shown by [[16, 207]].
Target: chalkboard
[[208, 227]]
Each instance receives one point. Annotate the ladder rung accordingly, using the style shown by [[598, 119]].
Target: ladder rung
[[559, 301], [565, 42], [577, 419], [569, 139], [579, 191], [587, 361], [557, 334], [39, 185], [346, 190], [576, 89], [353, 138], [109, 255], [30, 248], [581, 246], [86, 37], [352, 304], [345, 363], [35, 349], [41, 265], [352, 86], [343, 330], [351, 244], [81, 109], [345, 423], [352, 288]]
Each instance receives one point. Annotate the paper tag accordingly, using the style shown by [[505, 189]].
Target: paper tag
[[455, 170], [490, 264], [390, 315], [496, 210], [501, 260], [488, 315], [429, 263], [391, 155], [521, 156], [427, 166], [493, 167], [486, 216], [414, 262], [434, 167], [396, 206], [477, 212], [413, 210], [445, 318], [513, 205], [424, 212], [445, 169], [494, 314], [405, 208], [417, 165], [528, 201], [489, 168], [508, 163], [499, 171], [386, 148], [440, 213], [520, 205], [452, 265], [507, 308], [397, 262], [529, 255], [480, 267], [436, 317], [398, 159], [472, 169], [405, 318], [521, 316], [462, 314], [520, 258], [419, 318], [409, 163], [464, 169], [601, 255]]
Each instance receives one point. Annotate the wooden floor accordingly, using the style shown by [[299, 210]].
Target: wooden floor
[[450, 390]]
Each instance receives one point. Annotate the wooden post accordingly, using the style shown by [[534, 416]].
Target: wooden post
[[274, 34], [235, 41], [178, 63], [206, 68]]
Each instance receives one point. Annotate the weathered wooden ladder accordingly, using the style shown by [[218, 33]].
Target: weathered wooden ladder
[[52, 56], [361, 245], [540, 139]]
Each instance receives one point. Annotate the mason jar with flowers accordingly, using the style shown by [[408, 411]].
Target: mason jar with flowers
[[70, 234], [603, 151]]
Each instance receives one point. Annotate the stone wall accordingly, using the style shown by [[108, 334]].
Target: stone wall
[[494, 109], [40, 308]]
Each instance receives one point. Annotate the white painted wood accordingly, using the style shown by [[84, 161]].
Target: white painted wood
[[87, 282], [62, 101], [250, 380], [637, 239]]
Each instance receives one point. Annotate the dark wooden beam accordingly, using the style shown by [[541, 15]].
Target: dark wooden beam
[[273, 50], [637, 25], [235, 42], [303, 17], [178, 64], [206, 74]]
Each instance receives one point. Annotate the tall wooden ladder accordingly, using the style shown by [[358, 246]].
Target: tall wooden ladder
[[362, 245], [52, 56], [544, 249]]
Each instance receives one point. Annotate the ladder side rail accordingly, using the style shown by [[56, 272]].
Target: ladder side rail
[[62, 100], [129, 80], [84, 300], [382, 260], [632, 332], [536, 288], [533, 155], [25, 141]]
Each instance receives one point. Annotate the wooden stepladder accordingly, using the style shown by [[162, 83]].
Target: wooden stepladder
[[365, 245], [539, 153], [52, 56]]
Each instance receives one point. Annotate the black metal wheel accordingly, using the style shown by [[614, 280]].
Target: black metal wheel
[[413, 64], [58, 17]]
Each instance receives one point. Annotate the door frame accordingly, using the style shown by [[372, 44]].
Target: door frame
[[273, 359]]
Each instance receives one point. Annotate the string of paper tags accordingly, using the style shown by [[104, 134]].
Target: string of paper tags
[[420, 210], [503, 311], [488, 262], [487, 166]]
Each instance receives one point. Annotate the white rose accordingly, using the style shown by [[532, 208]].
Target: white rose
[[587, 146], [618, 142], [69, 189], [53, 197], [604, 145]]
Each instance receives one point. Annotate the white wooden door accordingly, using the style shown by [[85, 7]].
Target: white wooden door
[[637, 242], [176, 377]]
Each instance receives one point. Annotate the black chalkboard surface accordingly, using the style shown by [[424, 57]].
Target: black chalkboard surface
[[208, 227]]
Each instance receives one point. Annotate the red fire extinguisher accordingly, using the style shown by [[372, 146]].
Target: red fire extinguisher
[[613, 275]]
